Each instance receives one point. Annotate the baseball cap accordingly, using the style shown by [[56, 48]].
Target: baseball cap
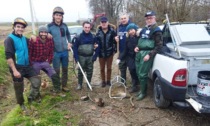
[[104, 19], [150, 13]]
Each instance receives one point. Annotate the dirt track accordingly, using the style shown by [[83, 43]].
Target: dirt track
[[121, 113]]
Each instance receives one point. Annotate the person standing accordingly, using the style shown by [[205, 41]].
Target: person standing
[[124, 22], [149, 44], [84, 53], [41, 55], [62, 43], [107, 44], [16, 51], [129, 55]]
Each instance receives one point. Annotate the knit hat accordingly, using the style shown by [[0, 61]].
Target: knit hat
[[43, 28], [131, 26]]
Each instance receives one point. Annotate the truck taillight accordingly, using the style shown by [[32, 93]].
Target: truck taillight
[[180, 78]]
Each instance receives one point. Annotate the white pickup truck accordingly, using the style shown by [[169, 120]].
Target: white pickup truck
[[181, 72]]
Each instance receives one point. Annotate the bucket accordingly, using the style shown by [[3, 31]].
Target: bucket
[[203, 86]]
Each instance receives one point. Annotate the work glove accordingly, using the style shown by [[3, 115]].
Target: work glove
[[117, 61]]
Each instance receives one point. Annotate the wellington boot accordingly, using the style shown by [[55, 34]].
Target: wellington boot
[[56, 81], [133, 89], [138, 94], [64, 77], [79, 87], [140, 97]]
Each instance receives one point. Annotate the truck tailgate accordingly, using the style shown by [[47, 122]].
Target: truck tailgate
[[196, 64]]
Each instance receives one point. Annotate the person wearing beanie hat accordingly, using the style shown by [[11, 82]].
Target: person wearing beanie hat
[[129, 55], [41, 56], [149, 44], [131, 26], [42, 28]]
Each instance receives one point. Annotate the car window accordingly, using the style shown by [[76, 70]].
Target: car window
[[75, 30]]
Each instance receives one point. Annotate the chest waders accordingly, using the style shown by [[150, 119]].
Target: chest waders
[[85, 52], [143, 67]]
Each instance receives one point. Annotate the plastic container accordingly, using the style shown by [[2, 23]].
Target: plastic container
[[203, 86]]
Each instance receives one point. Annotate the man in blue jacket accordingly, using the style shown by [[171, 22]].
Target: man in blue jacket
[[62, 43], [85, 54], [16, 51], [124, 22]]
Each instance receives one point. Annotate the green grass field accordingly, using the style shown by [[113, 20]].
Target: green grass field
[[3, 66]]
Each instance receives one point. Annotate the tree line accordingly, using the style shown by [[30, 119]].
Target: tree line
[[177, 10]]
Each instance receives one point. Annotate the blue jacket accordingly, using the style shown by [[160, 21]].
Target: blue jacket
[[60, 35], [17, 49], [85, 38], [122, 36]]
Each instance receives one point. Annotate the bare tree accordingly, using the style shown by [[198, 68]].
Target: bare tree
[[178, 10]]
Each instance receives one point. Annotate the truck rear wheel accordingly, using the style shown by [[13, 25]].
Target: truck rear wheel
[[159, 99]]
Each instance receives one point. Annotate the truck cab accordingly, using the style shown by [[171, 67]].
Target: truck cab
[[175, 70]]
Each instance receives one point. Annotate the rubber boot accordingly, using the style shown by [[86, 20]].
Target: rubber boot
[[143, 91], [35, 87], [19, 88], [134, 87], [64, 79], [56, 82], [79, 87], [123, 75]]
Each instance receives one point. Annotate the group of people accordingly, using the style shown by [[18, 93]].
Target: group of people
[[27, 57]]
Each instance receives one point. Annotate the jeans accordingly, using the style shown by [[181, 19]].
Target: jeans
[[60, 58], [63, 59]]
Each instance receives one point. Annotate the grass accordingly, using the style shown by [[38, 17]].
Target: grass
[[48, 113], [3, 66]]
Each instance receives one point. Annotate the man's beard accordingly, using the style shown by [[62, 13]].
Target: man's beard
[[43, 37]]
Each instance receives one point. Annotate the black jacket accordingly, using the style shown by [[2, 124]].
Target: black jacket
[[107, 42], [128, 53]]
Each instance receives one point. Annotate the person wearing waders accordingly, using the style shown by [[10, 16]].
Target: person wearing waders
[[84, 53], [129, 55], [62, 43], [121, 37], [149, 43], [41, 55], [16, 51], [107, 45]]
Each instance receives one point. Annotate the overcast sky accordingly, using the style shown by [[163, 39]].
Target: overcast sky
[[73, 9]]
